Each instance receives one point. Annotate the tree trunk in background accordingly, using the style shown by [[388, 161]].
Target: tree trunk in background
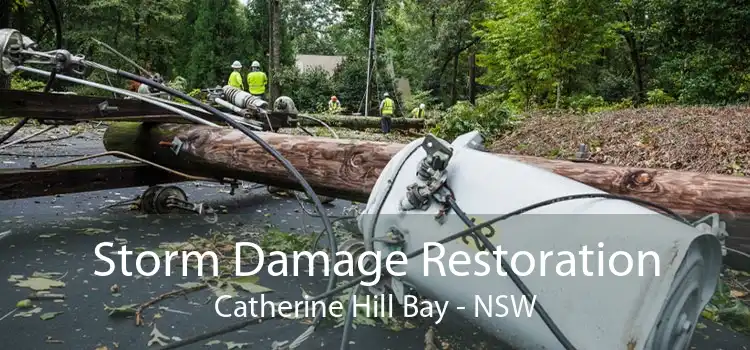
[[472, 92], [454, 88], [275, 59], [4, 23]]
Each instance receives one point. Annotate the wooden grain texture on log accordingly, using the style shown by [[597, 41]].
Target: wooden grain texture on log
[[349, 168], [362, 123], [339, 168]]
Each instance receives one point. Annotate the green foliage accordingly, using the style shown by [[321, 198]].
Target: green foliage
[[421, 96], [350, 79], [178, 83], [586, 103], [658, 97], [310, 89], [19, 83], [490, 116], [532, 46], [728, 309], [276, 240]]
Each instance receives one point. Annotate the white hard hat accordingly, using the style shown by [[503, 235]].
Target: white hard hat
[[421, 106], [236, 64], [255, 64], [385, 94]]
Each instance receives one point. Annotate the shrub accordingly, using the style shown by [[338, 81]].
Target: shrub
[[658, 97], [490, 116], [585, 103]]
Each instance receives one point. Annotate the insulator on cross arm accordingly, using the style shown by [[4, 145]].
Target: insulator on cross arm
[[243, 99]]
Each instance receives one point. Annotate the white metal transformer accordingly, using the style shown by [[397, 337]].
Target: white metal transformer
[[657, 310]]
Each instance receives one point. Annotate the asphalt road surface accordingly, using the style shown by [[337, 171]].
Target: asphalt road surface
[[59, 234]]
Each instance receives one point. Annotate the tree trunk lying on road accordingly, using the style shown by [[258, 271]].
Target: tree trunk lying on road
[[348, 169], [362, 123]]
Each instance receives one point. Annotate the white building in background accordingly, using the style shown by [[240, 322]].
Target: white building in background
[[327, 63]]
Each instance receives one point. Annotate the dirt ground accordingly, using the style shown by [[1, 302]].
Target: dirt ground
[[703, 139]]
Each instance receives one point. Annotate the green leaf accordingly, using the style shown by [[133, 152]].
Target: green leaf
[[232, 345], [247, 283], [190, 285], [15, 278], [224, 288], [24, 304], [49, 315], [36, 283], [91, 231]]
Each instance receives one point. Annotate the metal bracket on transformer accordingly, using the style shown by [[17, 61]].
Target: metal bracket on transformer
[[712, 224], [432, 175]]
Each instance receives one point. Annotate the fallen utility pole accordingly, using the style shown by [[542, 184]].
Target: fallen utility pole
[[25, 183], [348, 169], [362, 123]]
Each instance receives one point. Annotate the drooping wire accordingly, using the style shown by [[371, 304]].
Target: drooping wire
[[269, 149], [455, 236], [564, 341]]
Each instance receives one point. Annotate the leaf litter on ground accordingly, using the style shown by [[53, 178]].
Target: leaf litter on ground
[[49, 315], [40, 283], [29, 313], [121, 311], [158, 338]]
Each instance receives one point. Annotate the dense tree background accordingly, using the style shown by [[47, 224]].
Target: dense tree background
[[527, 54]]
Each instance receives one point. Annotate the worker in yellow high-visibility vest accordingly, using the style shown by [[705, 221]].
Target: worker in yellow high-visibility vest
[[386, 113], [418, 112], [235, 79], [257, 81]]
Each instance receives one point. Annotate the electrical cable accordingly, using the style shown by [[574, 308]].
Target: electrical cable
[[336, 136], [272, 151], [739, 252], [564, 341], [135, 95], [457, 235], [306, 131], [21, 140], [58, 24], [349, 318], [132, 157]]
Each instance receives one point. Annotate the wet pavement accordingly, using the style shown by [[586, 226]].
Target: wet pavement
[[59, 234]]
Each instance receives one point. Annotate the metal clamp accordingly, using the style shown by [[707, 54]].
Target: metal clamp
[[712, 224], [431, 173], [176, 145]]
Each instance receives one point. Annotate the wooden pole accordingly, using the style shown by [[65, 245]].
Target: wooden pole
[[348, 169]]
